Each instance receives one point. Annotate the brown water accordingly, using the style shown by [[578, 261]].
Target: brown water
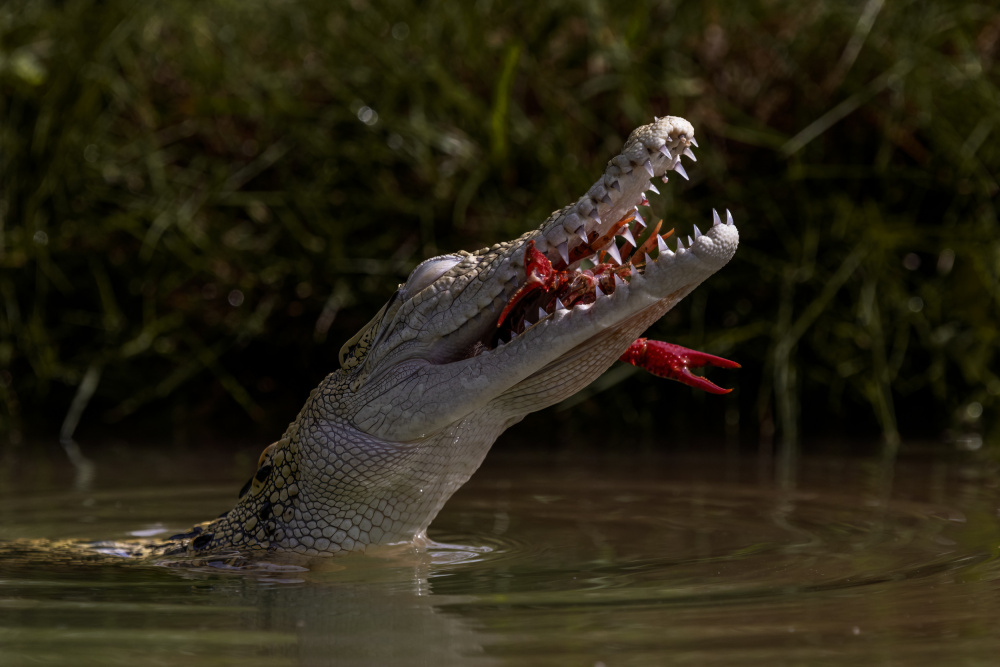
[[583, 562]]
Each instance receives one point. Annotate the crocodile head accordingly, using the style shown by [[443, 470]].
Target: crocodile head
[[426, 387]]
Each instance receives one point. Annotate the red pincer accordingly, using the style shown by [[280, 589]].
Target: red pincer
[[674, 362]]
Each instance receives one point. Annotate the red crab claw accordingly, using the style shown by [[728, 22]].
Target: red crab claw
[[538, 274], [673, 362]]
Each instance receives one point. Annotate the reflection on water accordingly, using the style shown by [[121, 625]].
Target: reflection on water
[[542, 562]]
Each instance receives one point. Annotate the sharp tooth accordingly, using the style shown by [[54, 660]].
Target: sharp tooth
[[680, 244], [582, 233], [656, 118], [563, 249], [687, 151], [631, 269], [616, 185], [644, 202], [541, 313], [649, 168], [697, 232], [596, 218], [559, 304], [606, 198], [694, 142], [716, 220], [664, 178], [612, 250], [729, 218], [626, 234], [680, 170], [638, 218], [653, 188], [648, 259], [597, 291], [690, 242], [618, 281], [666, 152], [513, 335], [661, 245]]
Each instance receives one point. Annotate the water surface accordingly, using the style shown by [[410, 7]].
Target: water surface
[[545, 561]]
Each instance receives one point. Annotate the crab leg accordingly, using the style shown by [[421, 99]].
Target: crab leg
[[673, 362], [651, 243], [538, 273]]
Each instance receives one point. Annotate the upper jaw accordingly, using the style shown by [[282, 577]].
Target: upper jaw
[[649, 153]]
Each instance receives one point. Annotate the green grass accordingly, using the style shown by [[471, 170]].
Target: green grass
[[202, 201]]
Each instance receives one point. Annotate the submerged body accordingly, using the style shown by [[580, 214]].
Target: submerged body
[[465, 348]]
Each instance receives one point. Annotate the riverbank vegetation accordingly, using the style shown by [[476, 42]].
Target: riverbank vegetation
[[201, 201]]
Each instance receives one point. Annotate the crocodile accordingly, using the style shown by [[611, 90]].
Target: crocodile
[[461, 352]]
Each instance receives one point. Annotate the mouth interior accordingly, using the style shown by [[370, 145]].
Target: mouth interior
[[597, 259], [591, 270]]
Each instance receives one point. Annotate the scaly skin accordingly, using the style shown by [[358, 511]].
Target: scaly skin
[[425, 389]]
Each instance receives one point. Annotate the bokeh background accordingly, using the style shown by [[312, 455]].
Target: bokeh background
[[201, 201]]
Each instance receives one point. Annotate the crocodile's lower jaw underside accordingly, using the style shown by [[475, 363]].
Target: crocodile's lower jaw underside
[[434, 379]]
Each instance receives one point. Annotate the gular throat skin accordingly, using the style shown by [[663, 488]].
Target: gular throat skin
[[468, 345]]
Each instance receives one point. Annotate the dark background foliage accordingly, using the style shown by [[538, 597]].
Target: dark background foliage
[[201, 201]]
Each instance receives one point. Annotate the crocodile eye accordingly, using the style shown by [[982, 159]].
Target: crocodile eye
[[427, 272]]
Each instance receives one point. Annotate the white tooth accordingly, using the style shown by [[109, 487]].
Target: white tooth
[[631, 270], [653, 188], [680, 244], [664, 178], [697, 232], [541, 313], [680, 170], [606, 198], [626, 234], [582, 232], [648, 260], [716, 220], [563, 249], [694, 142], [644, 202], [616, 186], [639, 218], [618, 281], [559, 305], [729, 218], [666, 151], [690, 242], [513, 335], [656, 118], [649, 168], [661, 245], [597, 292], [687, 151], [612, 250], [596, 218]]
